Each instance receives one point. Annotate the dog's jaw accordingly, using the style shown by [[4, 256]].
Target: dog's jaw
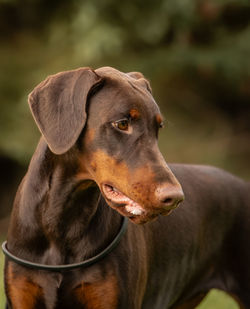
[[121, 200]]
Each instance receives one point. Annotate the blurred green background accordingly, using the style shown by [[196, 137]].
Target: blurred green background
[[194, 52]]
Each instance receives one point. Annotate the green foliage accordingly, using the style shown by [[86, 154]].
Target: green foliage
[[199, 45], [218, 299], [2, 297]]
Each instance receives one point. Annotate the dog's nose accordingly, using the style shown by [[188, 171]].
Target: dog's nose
[[169, 197]]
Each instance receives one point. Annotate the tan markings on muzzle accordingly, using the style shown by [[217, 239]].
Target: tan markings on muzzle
[[138, 184]]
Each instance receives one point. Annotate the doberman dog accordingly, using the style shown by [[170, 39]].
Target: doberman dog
[[97, 163]]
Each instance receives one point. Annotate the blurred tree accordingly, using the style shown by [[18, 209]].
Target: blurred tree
[[192, 50], [32, 16], [13, 173]]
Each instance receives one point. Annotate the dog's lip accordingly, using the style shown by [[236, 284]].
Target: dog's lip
[[121, 200]]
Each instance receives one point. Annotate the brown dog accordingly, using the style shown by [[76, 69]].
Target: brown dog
[[99, 149]]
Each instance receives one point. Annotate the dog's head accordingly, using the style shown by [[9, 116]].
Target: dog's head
[[114, 120]]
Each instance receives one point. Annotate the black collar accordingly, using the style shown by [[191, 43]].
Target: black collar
[[59, 268]]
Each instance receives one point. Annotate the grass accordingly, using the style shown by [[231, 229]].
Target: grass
[[2, 297], [215, 299], [218, 300]]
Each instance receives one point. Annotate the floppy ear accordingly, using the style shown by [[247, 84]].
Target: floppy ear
[[58, 105], [141, 79]]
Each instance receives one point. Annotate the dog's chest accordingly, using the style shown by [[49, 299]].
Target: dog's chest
[[97, 294], [34, 290], [100, 294]]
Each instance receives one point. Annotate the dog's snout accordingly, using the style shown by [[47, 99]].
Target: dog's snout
[[169, 197]]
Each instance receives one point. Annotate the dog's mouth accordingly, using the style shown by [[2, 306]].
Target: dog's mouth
[[122, 202]]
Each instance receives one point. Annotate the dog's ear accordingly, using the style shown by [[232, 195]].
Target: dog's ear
[[141, 79], [58, 105]]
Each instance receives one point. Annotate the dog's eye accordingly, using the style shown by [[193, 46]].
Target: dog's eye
[[122, 124]]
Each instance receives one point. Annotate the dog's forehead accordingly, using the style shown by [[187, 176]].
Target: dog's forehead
[[126, 89], [111, 73]]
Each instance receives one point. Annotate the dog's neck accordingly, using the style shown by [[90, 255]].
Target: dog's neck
[[62, 213]]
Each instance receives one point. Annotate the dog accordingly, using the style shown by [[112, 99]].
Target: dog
[[98, 168]]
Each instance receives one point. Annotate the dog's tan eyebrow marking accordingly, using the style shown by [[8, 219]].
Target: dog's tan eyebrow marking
[[159, 119], [134, 113]]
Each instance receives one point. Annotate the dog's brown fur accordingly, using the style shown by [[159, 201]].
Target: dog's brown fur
[[62, 215]]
